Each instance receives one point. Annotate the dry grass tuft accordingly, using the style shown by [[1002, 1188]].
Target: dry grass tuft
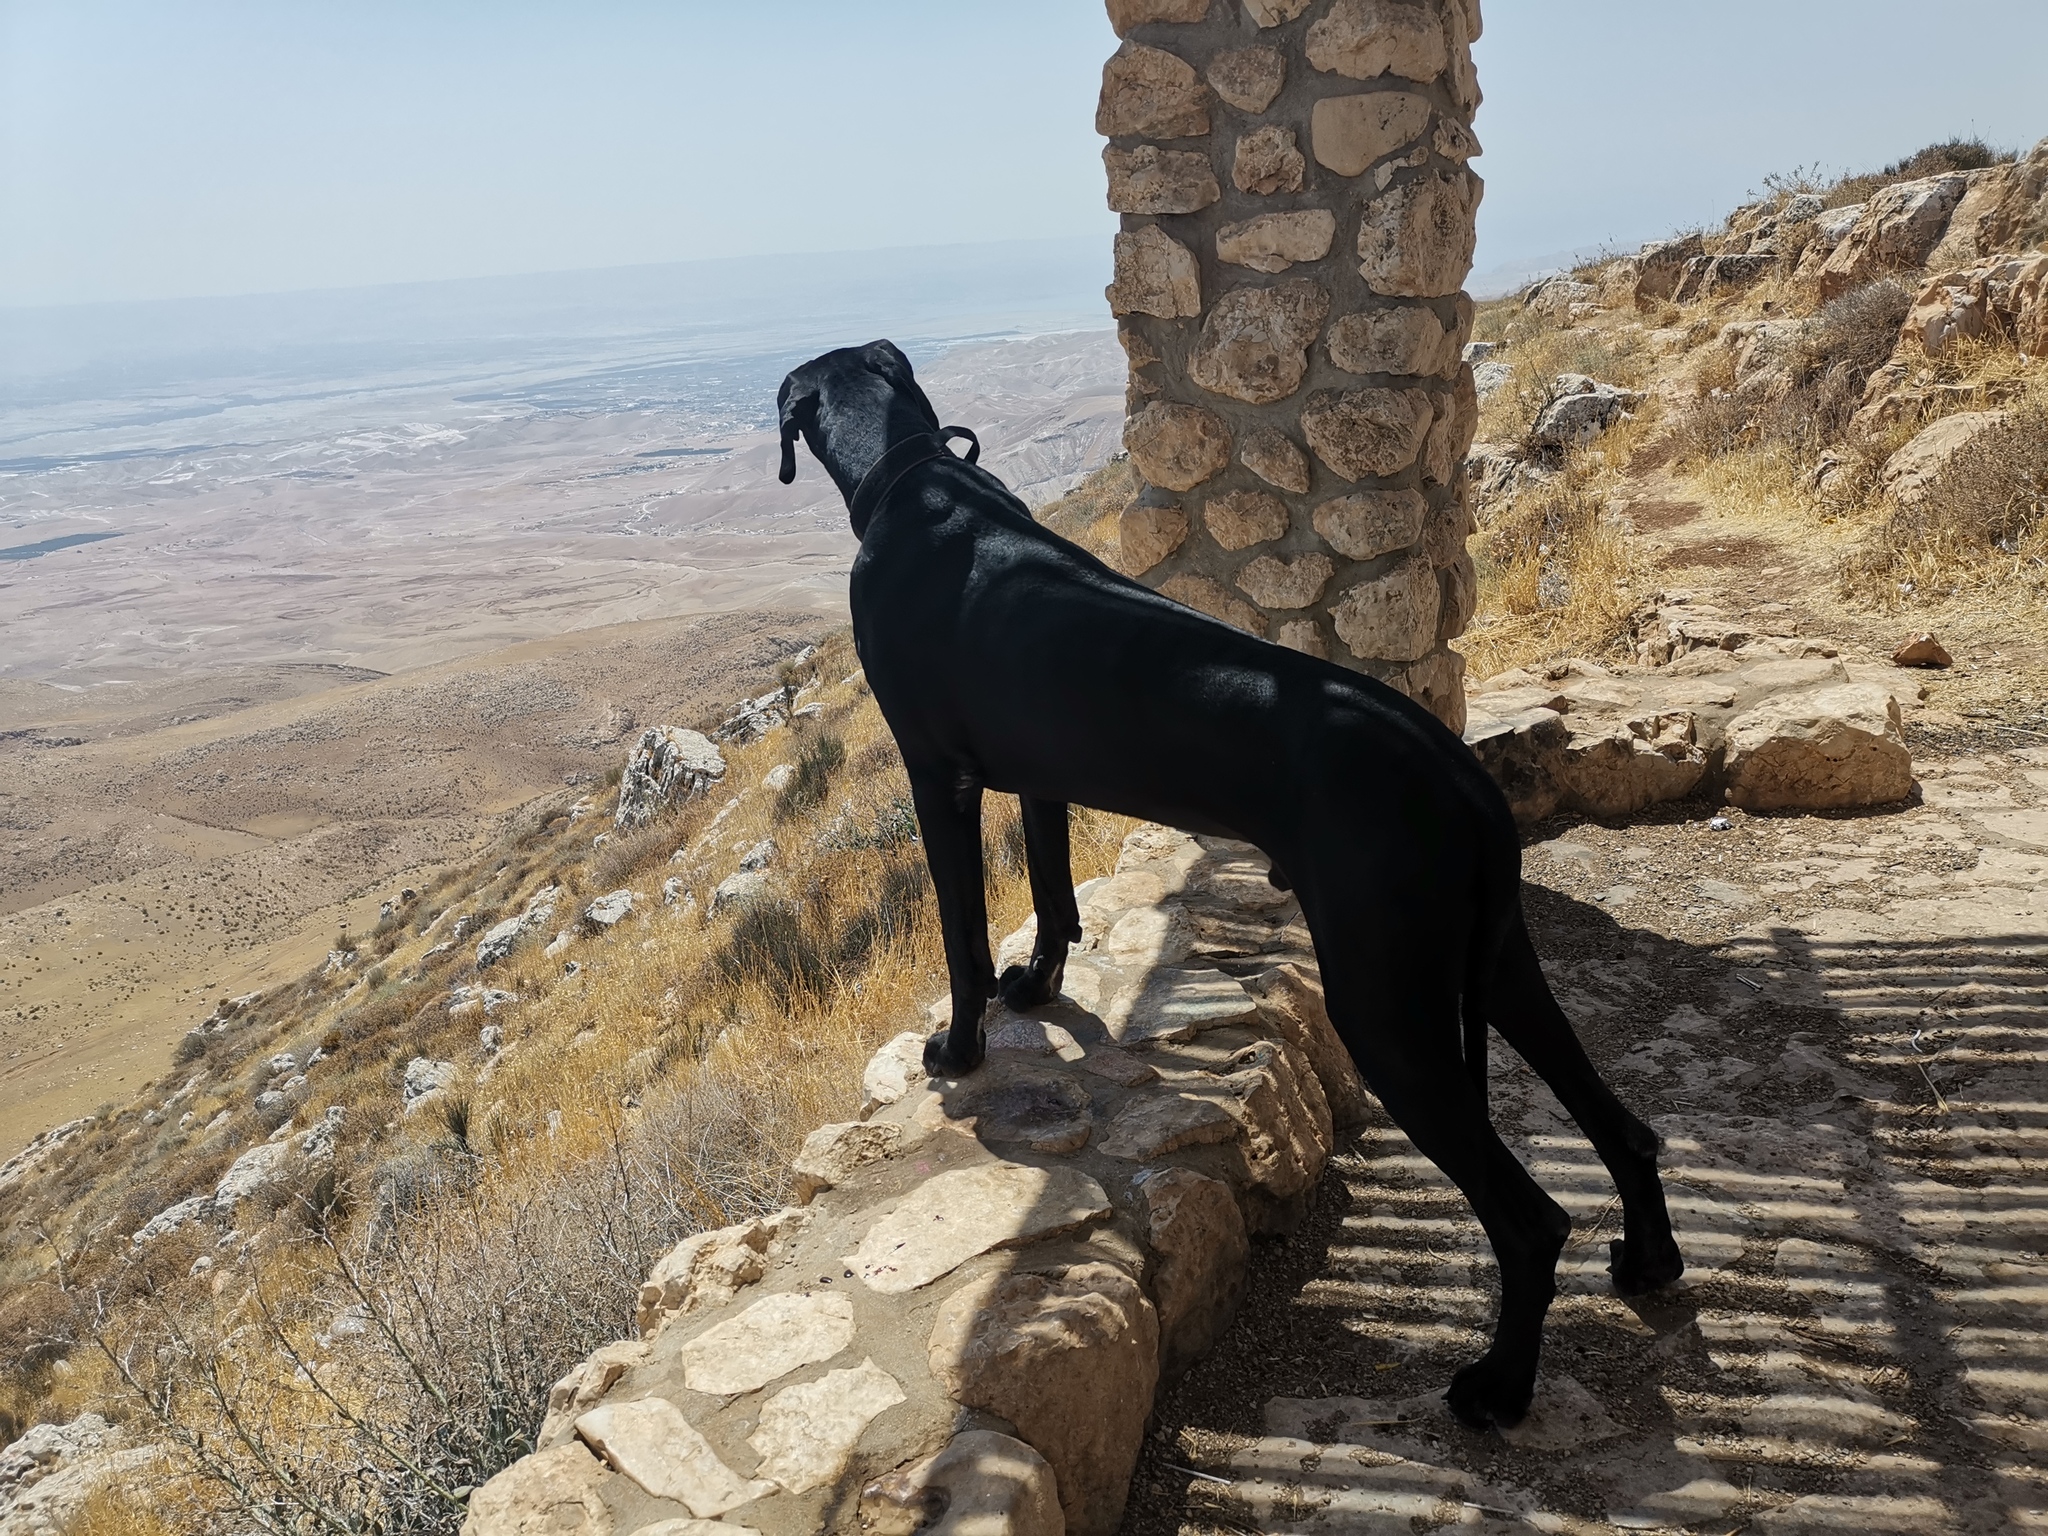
[[1087, 515]]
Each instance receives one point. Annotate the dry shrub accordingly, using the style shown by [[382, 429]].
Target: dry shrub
[[821, 755], [1984, 521], [628, 852], [1087, 515], [1971, 154]]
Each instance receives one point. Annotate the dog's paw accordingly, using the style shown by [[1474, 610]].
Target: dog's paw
[[1024, 987], [1487, 1395], [1639, 1268], [941, 1059]]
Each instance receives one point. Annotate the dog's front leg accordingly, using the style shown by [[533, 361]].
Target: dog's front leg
[[949, 817], [1052, 894]]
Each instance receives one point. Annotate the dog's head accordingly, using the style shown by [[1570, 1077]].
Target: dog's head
[[840, 379]]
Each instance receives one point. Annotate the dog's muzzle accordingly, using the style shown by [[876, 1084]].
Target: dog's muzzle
[[899, 461]]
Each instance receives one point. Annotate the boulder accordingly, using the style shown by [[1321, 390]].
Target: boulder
[[424, 1078], [171, 1218], [708, 1269], [1922, 651], [1824, 750], [608, 911], [50, 1473], [953, 1216], [981, 1484], [1911, 474], [1197, 1235], [739, 890], [503, 938], [551, 1493], [1897, 231], [2003, 296], [1707, 277], [755, 718], [668, 765], [1660, 265], [834, 1153], [1580, 409]]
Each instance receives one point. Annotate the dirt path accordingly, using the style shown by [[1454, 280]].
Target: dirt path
[[1839, 1025]]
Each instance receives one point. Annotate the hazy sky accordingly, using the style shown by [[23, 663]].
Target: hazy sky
[[181, 147]]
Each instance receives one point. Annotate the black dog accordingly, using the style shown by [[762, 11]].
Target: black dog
[[1005, 658]]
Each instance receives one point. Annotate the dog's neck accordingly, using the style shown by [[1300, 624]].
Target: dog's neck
[[867, 418]]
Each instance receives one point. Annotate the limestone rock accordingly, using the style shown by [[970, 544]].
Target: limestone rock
[[832, 1154], [1071, 1359], [1178, 1003], [667, 766], [807, 1432], [1244, 518], [953, 1216], [1707, 277], [1580, 409], [981, 1484], [1290, 999], [1254, 344], [1610, 768], [1362, 39], [1364, 433], [651, 1442], [1450, 435], [502, 939], [1153, 93], [1391, 617], [2003, 295], [1660, 264], [1271, 13], [1196, 1232], [608, 911], [1148, 179], [584, 1387], [255, 1171], [1460, 596], [1408, 339], [1273, 457], [892, 1071], [550, 1493], [1368, 524], [1296, 583], [1351, 134], [1150, 1128], [1273, 242], [1042, 1112], [1248, 78], [766, 1341], [740, 889], [172, 1217], [1912, 473], [1147, 535], [41, 1148], [1415, 241], [1177, 446], [1922, 651], [1899, 228], [1154, 274], [424, 1078], [1823, 750], [1124, 15], [708, 1269], [1267, 161]]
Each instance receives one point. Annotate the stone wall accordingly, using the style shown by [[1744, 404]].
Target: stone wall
[[1297, 226], [963, 1325]]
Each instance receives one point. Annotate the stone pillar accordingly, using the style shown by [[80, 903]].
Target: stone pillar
[[1297, 226]]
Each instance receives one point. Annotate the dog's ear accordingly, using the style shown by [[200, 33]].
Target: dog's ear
[[887, 359], [799, 409]]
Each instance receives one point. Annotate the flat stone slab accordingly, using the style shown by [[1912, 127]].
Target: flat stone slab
[[1178, 1003], [768, 1340], [807, 1433], [1152, 1127], [652, 1443], [950, 1218]]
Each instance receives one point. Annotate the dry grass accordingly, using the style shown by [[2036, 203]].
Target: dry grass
[[1088, 514], [1538, 346], [497, 1237]]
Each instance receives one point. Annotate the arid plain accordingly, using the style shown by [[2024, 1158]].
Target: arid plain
[[291, 667]]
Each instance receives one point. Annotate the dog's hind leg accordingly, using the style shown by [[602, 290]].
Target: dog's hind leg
[[1522, 1007], [1401, 1026], [949, 820], [1052, 895]]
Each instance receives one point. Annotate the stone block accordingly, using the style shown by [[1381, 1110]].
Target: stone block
[[1415, 241], [766, 1341], [1351, 134], [1205, 596], [1290, 999], [1197, 1237], [551, 1493], [807, 1433], [1362, 434], [1126, 15], [1272, 13], [1177, 446], [1071, 1360], [1363, 39], [1406, 339], [651, 1442], [1305, 636], [1148, 179], [1147, 535], [1254, 343], [1152, 93], [1154, 274], [953, 1216], [1244, 518], [1391, 617], [1273, 242], [1296, 583], [1268, 161], [981, 1484], [1368, 524], [1826, 749], [1273, 457], [832, 1154], [1247, 78]]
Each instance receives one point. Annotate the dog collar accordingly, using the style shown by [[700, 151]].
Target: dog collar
[[899, 461]]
